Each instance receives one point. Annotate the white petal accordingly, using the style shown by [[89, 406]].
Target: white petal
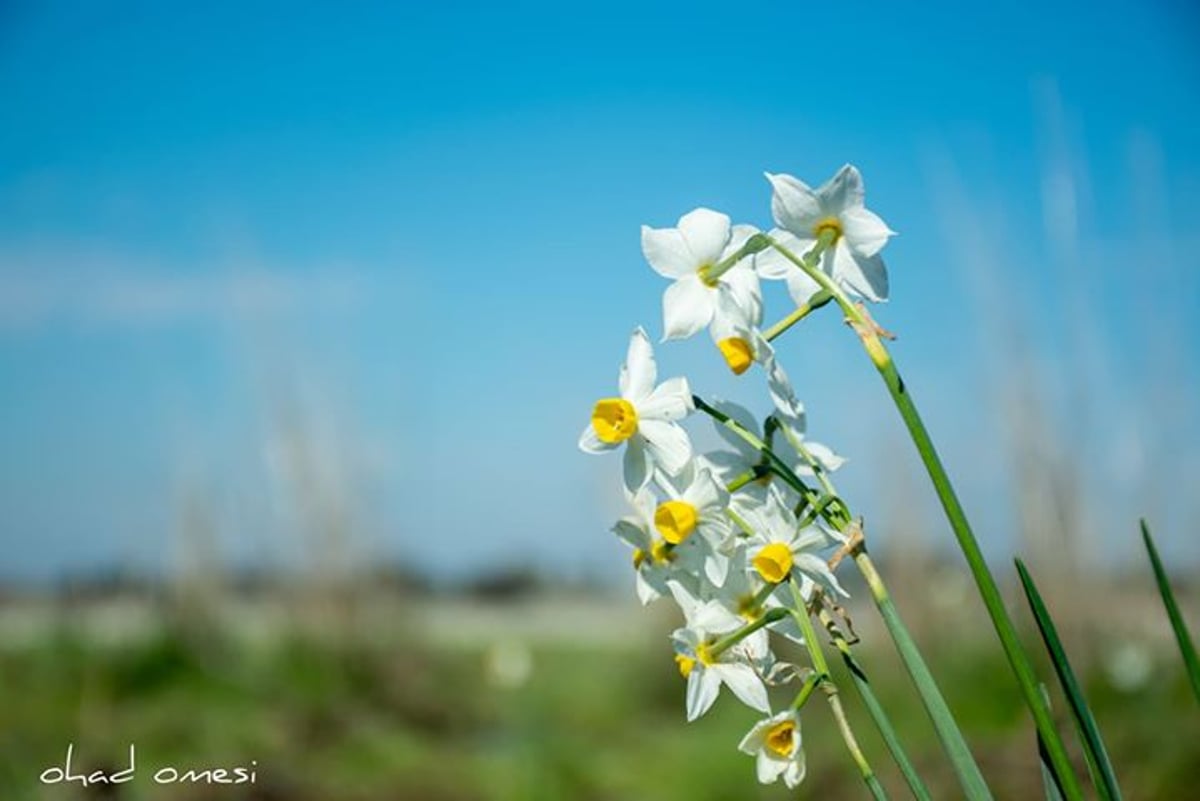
[[645, 592], [636, 464], [631, 533], [703, 686], [590, 442], [667, 252], [687, 602], [706, 233], [671, 400], [768, 769], [713, 618], [744, 288], [753, 741], [687, 307], [842, 191], [801, 286], [744, 417], [796, 769], [745, 684], [728, 465], [793, 204], [738, 237], [817, 567], [865, 233], [668, 444], [773, 265], [864, 276], [824, 455], [639, 372], [716, 568]]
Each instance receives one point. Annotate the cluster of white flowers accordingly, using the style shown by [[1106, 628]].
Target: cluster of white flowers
[[714, 531]]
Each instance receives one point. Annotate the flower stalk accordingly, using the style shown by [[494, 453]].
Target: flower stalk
[[870, 335]]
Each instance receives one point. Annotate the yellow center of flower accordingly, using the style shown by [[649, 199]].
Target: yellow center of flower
[[675, 520], [703, 272], [774, 562], [639, 558], [704, 656], [781, 738], [615, 420], [685, 664], [661, 553], [738, 354], [829, 224]]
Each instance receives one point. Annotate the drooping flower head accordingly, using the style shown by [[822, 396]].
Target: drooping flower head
[[644, 418], [835, 209], [775, 742]]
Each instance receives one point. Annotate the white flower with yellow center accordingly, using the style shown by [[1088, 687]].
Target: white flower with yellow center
[[656, 560], [781, 548], [775, 742], [692, 254], [790, 414], [705, 669], [644, 418], [695, 505], [835, 209]]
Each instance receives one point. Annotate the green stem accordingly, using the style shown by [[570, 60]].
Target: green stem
[[988, 591], [944, 724], [766, 619], [806, 690], [875, 709], [800, 613], [803, 310]]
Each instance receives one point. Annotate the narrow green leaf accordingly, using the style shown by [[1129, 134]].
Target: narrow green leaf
[[1050, 783], [1099, 764], [1186, 648]]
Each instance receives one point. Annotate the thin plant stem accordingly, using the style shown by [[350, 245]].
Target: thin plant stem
[[869, 334], [874, 708], [827, 685], [803, 310]]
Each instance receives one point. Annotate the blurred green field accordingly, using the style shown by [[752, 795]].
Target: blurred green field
[[528, 700]]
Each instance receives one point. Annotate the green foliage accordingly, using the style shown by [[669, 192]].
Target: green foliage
[[1186, 648]]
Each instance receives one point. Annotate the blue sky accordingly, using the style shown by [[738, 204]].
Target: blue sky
[[373, 263]]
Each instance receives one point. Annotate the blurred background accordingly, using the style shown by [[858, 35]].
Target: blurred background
[[302, 311]]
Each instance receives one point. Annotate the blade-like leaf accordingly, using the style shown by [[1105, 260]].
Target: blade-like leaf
[[1101, 767], [1186, 647], [1050, 783]]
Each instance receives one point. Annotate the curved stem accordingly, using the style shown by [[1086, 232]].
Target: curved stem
[[1019, 661]]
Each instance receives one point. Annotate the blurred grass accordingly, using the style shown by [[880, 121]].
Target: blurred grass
[[365, 705]]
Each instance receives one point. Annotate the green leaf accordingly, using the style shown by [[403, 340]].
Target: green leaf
[[1099, 764], [1186, 648]]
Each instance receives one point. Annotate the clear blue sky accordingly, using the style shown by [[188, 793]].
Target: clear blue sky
[[412, 236]]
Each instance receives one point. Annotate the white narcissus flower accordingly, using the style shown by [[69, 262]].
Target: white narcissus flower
[[781, 548], [775, 742], [655, 560], [804, 214], [696, 502], [706, 623], [688, 254], [645, 417]]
